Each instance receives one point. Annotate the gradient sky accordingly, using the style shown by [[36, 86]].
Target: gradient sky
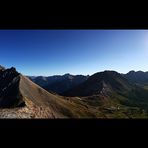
[[49, 52]]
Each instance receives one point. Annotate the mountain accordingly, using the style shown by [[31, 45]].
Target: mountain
[[45, 81], [59, 84], [67, 82], [138, 77], [31, 77], [112, 91], [2, 67], [40, 80], [101, 81], [21, 98], [9, 95]]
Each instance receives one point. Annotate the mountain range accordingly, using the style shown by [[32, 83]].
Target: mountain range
[[62, 83], [106, 94], [59, 84], [138, 77]]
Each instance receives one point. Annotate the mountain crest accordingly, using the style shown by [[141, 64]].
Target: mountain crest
[[2, 67]]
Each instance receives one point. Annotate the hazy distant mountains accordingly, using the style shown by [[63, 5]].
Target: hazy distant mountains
[[65, 83], [139, 77], [59, 84], [2, 68]]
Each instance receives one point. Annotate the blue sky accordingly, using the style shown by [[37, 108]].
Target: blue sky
[[49, 52]]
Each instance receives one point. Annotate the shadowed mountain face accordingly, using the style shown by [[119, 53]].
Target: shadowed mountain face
[[103, 81], [68, 82], [9, 88], [138, 77], [59, 84], [112, 87], [2, 68]]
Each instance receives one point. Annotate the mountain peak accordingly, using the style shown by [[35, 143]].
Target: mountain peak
[[2, 67], [67, 74], [110, 72], [140, 71], [13, 68], [137, 77], [106, 73], [132, 71]]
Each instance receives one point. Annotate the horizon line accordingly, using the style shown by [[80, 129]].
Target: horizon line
[[82, 74]]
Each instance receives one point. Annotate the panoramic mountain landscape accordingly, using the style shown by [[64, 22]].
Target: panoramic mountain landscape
[[106, 94], [50, 74]]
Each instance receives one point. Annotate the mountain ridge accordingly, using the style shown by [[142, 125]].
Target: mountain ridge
[[94, 84], [137, 77], [59, 83]]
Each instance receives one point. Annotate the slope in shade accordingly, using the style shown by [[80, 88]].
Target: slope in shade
[[102, 81], [58, 83], [9, 89], [138, 77], [114, 88]]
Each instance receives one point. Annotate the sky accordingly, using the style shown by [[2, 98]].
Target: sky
[[56, 52]]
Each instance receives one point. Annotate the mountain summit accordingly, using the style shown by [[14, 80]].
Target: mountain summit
[[2, 67], [139, 77]]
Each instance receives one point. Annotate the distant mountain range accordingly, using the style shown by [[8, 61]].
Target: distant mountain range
[[106, 94], [138, 77], [59, 84], [63, 83]]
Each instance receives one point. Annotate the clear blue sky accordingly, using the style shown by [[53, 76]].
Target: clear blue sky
[[49, 52]]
